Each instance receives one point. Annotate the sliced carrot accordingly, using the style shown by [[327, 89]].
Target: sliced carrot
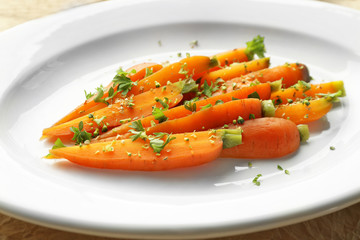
[[289, 74], [90, 105], [138, 106], [263, 91], [174, 72], [142, 69], [213, 117], [304, 111], [299, 91], [254, 47], [137, 155], [265, 138], [228, 57], [235, 70]]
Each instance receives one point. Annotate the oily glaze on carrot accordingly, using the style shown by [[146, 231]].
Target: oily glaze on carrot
[[213, 117], [263, 90], [235, 70], [298, 92], [90, 105], [304, 111], [175, 72], [289, 74], [199, 148], [265, 138], [138, 106]]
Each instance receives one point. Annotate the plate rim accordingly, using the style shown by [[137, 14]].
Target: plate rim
[[351, 199]]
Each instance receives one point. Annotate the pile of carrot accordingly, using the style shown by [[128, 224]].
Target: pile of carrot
[[231, 105]]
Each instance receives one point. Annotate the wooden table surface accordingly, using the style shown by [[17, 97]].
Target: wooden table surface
[[344, 224]]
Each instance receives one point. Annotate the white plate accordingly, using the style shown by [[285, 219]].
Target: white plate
[[46, 64]]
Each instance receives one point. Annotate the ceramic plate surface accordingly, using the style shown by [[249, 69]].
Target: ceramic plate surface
[[47, 64]]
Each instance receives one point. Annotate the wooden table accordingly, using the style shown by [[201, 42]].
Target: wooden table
[[344, 224]]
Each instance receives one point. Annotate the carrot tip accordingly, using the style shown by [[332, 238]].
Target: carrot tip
[[43, 137]]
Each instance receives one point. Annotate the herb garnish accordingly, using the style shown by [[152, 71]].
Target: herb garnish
[[80, 136], [256, 180]]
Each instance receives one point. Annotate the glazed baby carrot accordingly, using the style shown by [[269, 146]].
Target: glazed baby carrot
[[235, 70], [211, 117], [94, 102], [288, 74], [138, 106], [253, 47], [181, 70], [263, 90], [306, 111], [265, 138], [154, 153], [302, 90]]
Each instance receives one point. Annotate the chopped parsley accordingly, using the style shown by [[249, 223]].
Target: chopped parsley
[[148, 72], [88, 95], [256, 180], [139, 131], [254, 95], [58, 144], [80, 134], [191, 105], [255, 47], [157, 144], [194, 43], [206, 106]]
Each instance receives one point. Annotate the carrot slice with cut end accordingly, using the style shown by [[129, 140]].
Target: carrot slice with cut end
[[175, 72], [235, 70], [140, 105], [304, 112], [199, 148], [265, 138], [300, 92], [213, 117]]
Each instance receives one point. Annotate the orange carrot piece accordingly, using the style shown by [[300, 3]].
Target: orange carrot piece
[[140, 105], [265, 138], [235, 70], [140, 70], [304, 111], [300, 92], [228, 57], [90, 105], [138, 156], [177, 112], [174, 72], [288, 73], [213, 117]]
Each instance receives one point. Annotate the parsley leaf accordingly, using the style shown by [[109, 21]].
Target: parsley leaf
[[158, 144], [159, 115], [206, 106], [58, 144], [148, 72], [139, 131], [80, 136], [254, 95], [191, 105], [208, 90], [88, 95], [99, 95], [255, 47]]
